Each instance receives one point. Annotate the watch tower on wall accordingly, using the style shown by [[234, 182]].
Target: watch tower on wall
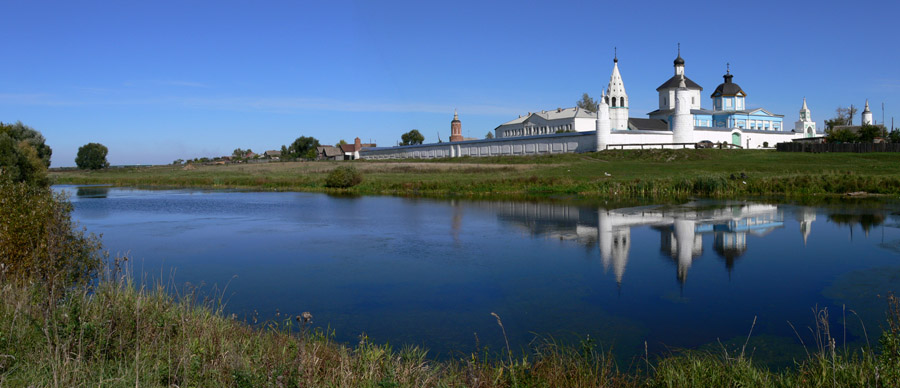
[[455, 128]]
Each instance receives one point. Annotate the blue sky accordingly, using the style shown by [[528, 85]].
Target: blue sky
[[156, 81]]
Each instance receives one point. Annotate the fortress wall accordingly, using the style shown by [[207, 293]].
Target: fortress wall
[[639, 137], [757, 138], [572, 142]]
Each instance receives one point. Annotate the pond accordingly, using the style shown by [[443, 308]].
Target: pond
[[702, 274]]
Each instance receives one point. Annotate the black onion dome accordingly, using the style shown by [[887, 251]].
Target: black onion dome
[[679, 60], [728, 88]]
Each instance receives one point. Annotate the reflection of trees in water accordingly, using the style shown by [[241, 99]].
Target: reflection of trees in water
[[865, 221], [92, 192]]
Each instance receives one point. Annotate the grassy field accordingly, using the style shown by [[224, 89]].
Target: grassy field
[[629, 173]]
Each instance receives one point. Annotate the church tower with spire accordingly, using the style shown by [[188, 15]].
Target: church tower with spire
[[867, 115], [617, 98], [667, 92], [455, 128], [805, 125]]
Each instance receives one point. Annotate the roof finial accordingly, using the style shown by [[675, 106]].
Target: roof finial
[[679, 61], [615, 54], [727, 68]]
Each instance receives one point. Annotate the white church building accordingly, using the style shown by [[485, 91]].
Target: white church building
[[679, 122]]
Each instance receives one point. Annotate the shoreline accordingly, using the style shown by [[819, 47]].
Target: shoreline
[[616, 175]]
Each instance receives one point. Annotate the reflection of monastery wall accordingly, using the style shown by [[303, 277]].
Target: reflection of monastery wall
[[681, 228]]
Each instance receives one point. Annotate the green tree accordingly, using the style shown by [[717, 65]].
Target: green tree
[[412, 138], [895, 136], [587, 103], [340, 143], [39, 242], [843, 116], [178, 161], [24, 157], [840, 135], [92, 156], [302, 147], [867, 133], [489, 135]]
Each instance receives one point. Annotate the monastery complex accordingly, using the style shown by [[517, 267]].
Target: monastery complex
[[680, 122]]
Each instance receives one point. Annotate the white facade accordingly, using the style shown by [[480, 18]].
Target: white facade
[[805, 125], [667, 99], [548, 123]]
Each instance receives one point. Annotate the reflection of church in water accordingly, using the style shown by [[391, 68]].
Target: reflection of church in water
[[681, 228]]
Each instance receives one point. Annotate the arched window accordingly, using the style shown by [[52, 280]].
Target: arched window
[[622, 101], [613, 102]]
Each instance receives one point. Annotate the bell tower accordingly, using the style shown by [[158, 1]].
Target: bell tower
[[805, 125], [617, 98]]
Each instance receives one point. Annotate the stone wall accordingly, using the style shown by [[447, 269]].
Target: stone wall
[[576, 142], [559, 143]]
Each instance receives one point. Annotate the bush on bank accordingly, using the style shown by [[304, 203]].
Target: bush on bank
[[343, 177], [39, 243]]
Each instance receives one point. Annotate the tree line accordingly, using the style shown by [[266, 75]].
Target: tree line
[[838, 129]]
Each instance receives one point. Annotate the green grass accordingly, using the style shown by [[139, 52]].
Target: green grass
[[610, 174], [119, 334]]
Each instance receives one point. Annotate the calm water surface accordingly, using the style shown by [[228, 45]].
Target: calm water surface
[[430, 272]]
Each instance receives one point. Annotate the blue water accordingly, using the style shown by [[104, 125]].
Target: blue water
[[430, 272]]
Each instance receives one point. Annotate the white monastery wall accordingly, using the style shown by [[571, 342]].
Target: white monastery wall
[[757, 138], [572, 142], [643, 137], [576, 142]]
